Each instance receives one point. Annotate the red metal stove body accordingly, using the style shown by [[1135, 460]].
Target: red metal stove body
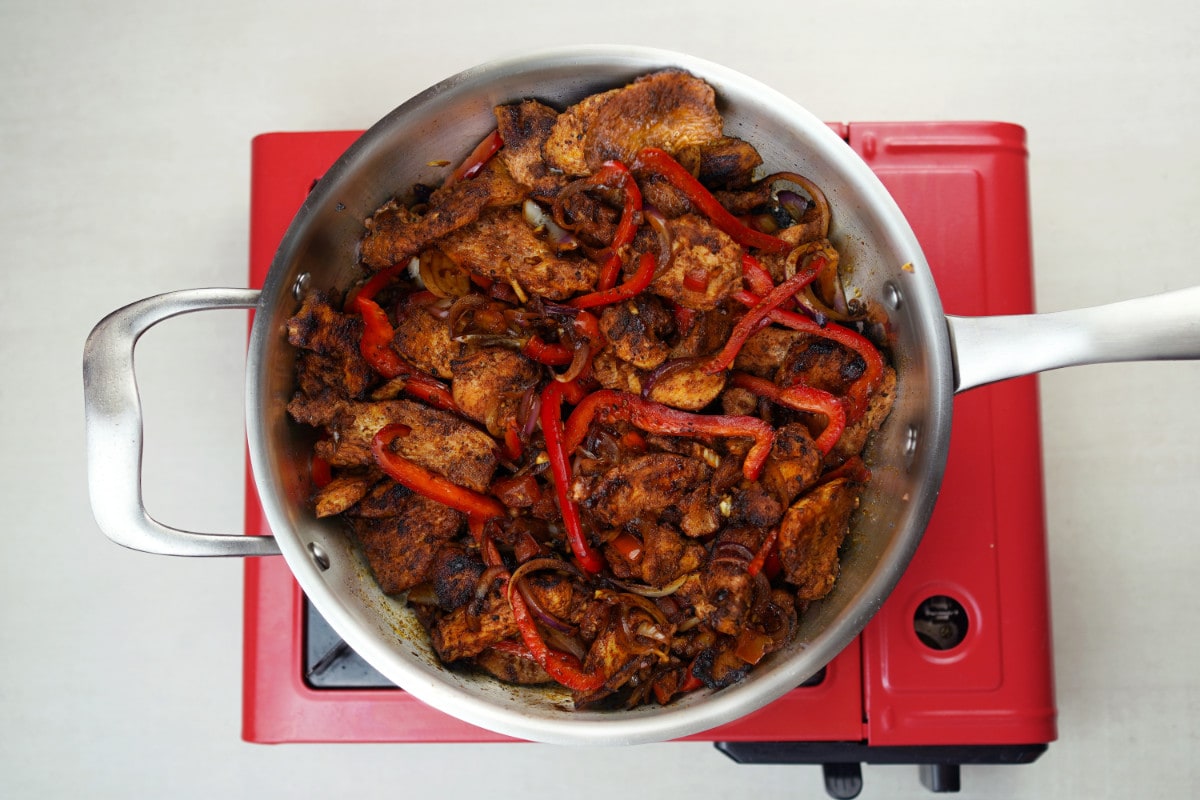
[[960, 655]]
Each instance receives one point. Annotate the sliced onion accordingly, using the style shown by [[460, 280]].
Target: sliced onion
[[732, 552], [541, 222], [658, 223], [651, 591], [468, 304], [528, 411], [442, 276], [538, 565], [579, 361], [486, 580], [565, 642], [423, 594], [793, 203], [820, 205]]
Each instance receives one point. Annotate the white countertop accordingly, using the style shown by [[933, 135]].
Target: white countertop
[[124, 162]]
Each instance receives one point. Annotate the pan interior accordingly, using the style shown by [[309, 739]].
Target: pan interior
[[444, 123]]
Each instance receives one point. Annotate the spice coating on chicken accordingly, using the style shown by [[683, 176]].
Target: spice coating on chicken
[[811, 533], [400, 549], [501, 245], [671, 110], [641, 487], [699, 248], [395, 234], [488, 385], [525, 127]]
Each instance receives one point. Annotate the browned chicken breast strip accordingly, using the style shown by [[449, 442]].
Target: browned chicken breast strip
[[670, 110]]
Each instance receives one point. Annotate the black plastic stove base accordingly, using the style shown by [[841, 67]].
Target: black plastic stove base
[[841, 762]]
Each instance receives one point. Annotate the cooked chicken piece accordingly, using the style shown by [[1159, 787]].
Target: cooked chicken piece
[[811, 533], [455, 574], [821, 363], [700, 513], [511, 668], [556, 595], [698, 247], [794, 463], [718, 666], [641, 487], [708, 333], [763, 352], [488, 385], [666, 555], [755, 506], [812, 225], [318, 410], [613, 373], [400, 550], [467, 631], [637, 330], [689, 388], [425, 340], [381, 500], [615, 656], [438, 440], [330, 340], [739, 402], [854, 438], [670, 110], [504, 247], [724, 163], [590, 217], [343, 491], [395, 234], [728, 586], [524, 127], [661, 194]]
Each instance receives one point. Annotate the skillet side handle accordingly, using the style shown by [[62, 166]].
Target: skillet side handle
[[113, 415], [1162, 327]]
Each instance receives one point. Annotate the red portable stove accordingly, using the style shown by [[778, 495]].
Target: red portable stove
[[955, 667]]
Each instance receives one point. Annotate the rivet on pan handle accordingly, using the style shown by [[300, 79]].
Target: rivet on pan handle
[[113, 415]]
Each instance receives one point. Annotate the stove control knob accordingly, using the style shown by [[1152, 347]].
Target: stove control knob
[[940, 622]]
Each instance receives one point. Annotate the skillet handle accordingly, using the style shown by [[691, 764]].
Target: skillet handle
[[1162, 327], [113, 414]]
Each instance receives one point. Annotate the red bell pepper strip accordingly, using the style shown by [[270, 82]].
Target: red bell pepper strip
[[652, 159], [690, 682], [800, 398], [512, 446], [860, 391], [753, 319], [627, 545], [751, 645], [652, 417], [376, 342], [482, 153], [615, 175], [478, 507], [320, 471], [756, 275], [552, 355], [636, 284], [376, 348], [760, 558], [562, 667], [560, 467]]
